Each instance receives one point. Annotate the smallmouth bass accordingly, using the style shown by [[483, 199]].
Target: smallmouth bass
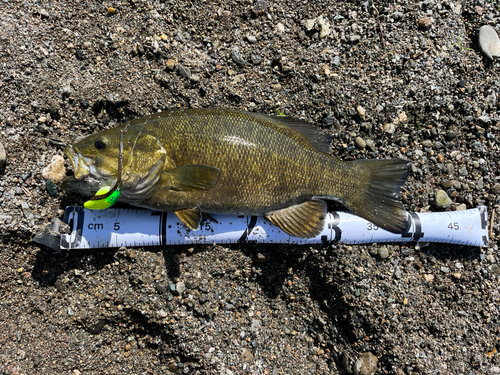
[[191, 161]]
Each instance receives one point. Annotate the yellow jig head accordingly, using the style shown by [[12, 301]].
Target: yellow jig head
[[109, 199]]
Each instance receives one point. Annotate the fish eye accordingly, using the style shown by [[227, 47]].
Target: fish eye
[[100, 143]]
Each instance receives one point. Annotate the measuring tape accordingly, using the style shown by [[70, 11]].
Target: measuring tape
[[132, 227]]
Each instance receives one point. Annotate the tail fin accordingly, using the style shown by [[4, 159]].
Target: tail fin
[[378, 197]]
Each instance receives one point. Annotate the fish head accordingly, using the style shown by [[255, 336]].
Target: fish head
[[96, 157]]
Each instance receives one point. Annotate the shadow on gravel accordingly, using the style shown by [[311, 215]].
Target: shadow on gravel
[[49, 265]]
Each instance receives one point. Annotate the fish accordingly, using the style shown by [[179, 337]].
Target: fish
[[225, 161]]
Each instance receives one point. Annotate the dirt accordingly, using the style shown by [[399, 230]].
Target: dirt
[[389, 79]]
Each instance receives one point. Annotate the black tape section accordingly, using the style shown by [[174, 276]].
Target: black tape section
[[246, 232]]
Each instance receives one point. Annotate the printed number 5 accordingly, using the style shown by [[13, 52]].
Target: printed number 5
[[117, 226]]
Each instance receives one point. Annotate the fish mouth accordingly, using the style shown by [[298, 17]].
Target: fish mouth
[[80, 164]]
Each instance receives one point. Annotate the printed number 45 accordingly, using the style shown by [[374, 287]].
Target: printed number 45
[[453, 226]]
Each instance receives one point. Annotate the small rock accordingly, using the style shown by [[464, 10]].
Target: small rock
[[383, 252], [366, 364], [461, 207], [425, 22], [27, 212], [361, 111], [51, 187], [324, 26], [445, 269], [55, 171], [277, 87], [180, 287], [442, 199], [360, 143], [171, 64], [251, 39], [489, 41], [429, 278], [235, 55], [255, 326], [389, 127], [246, 355], [309, 24], [495, 270], [183, 72]]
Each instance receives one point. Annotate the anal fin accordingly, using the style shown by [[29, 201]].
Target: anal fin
[[190, 217], [305, 220]]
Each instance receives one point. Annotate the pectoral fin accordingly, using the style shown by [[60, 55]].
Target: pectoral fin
[[190, 217], [191, 177], [305, 220]]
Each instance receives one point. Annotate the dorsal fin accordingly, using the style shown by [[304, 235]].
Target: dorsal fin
[[301, 131]]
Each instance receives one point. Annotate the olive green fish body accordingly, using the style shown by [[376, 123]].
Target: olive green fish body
[[226, 161]]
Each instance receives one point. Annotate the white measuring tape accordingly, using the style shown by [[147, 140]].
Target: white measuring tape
[[116, 227]]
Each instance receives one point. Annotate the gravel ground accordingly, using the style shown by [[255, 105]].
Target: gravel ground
[[396, 79]]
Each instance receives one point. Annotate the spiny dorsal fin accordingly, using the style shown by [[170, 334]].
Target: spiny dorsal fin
[[317, 140], [305, 220]]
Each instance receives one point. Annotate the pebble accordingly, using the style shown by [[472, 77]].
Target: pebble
[[171, 64], [383, 252], [425, 22], [254, 328], [235, 55], [429, 278], [366, 364], [251, 39], [55, 171], [361, 111], [183, 72], [51, 187], [360, 143], [495, 270], [3, 155], [442, 199], [489, 41], [246, 355], [27, 212], [324, 26], [180, 287], [280, 28], [490, 258]]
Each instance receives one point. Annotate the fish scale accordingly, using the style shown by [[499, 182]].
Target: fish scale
[[225, 161]]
